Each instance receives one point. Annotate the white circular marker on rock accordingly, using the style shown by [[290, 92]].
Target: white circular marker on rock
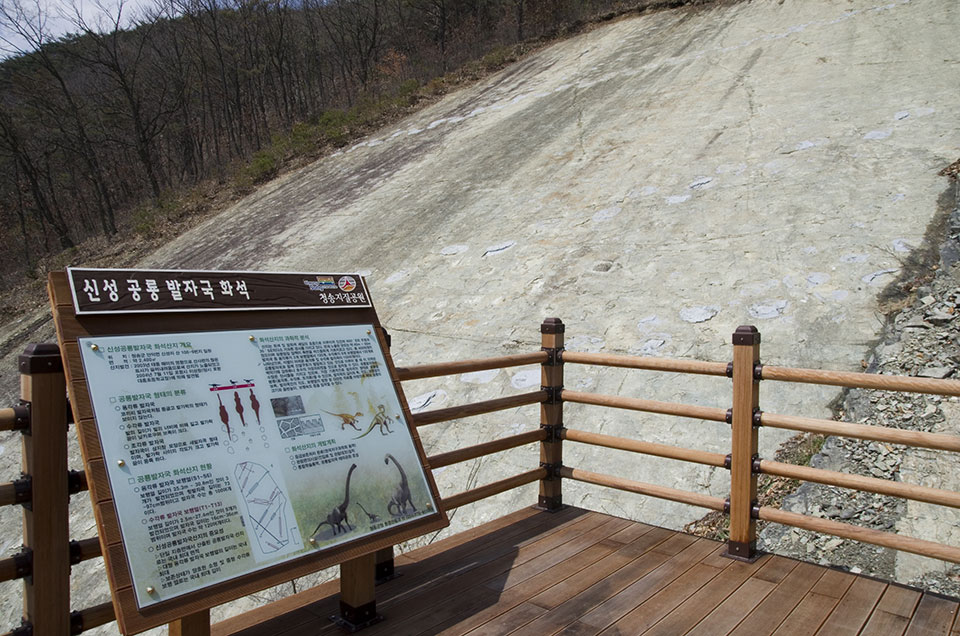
[[397, 276], [606, 214], [839, 294], [646, 191], [677, 198], [480, 377], [453, 250], [589, 344], [878, 134], [901, 245], [767, 309], [903, 114], [647, 321], [817, 278], [525, 379], [699, 314]]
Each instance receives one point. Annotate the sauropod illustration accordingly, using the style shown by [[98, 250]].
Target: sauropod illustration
[[338, 516], [398, 503], [381, 420], [346, 418]]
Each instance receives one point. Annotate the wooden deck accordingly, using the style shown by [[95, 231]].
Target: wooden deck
[[582, 572]]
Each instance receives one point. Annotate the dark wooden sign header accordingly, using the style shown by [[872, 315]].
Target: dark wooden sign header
[[122, 291]]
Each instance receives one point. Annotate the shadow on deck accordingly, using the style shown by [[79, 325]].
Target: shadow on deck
[[583, 572]]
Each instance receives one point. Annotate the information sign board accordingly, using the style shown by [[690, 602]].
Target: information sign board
[[230, 455]]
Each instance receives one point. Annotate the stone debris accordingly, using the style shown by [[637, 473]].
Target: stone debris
[[922, 340]]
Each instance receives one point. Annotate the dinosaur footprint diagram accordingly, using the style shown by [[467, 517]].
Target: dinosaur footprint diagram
[[267, 507]]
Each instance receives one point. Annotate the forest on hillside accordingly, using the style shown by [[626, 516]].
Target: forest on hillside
[[119, 114]]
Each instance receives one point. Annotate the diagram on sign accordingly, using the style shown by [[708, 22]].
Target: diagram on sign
[[238, 407], [266, 506]]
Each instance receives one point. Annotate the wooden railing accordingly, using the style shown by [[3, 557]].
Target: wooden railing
[[45, 561]]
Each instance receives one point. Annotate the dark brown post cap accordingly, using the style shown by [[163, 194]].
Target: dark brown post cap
[[746, 335], [552, 325], [41, 358]]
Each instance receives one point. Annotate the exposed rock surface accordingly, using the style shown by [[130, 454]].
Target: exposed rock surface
[[922, 340]]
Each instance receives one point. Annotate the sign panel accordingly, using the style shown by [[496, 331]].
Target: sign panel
[[111, 291], [231, 451]]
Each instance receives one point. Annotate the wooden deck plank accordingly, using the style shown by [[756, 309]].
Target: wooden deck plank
[[808, 615], [566, 590], [583, 573], [854, 608], [650, 611], [524, 591], [833, 583], [768, 615], [571, 610], [636, 593], [423, 607], [521, 573], [731, 611], [694, 609], [883, 623], [934, 616]]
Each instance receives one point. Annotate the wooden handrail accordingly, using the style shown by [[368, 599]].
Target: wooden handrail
[[867, 535], [497, 487], [467, 366], [90, 617], [862, 380], [937, 441], [647, 448], [486, 448], [478, 408], [860, 482], [652, 490], [643, 362], [87, 549], [649, 406]]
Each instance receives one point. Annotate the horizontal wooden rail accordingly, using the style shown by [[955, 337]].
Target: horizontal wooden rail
[[87, 619], [937, 441], [862, 380], [478, 408], [649, 406], [859, 482], [86, 549], [8, 494], [497, 487], [867, 535], [487, 448], [8, 569], [642, 362], [8, 419], [661, 492], [468, 366], [647, 448]]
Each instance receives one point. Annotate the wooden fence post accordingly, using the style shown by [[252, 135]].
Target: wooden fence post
[[196, 624], [358, 603], [46, 536], [551, 414], [743, 481]]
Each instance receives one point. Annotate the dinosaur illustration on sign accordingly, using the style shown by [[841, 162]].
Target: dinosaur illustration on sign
[[397, 505], [380, 419], [338, 516]]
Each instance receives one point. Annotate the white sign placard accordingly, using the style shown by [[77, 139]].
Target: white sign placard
[[231, 451]]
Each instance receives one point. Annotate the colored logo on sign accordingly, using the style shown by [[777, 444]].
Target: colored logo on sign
[[347, 283]]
